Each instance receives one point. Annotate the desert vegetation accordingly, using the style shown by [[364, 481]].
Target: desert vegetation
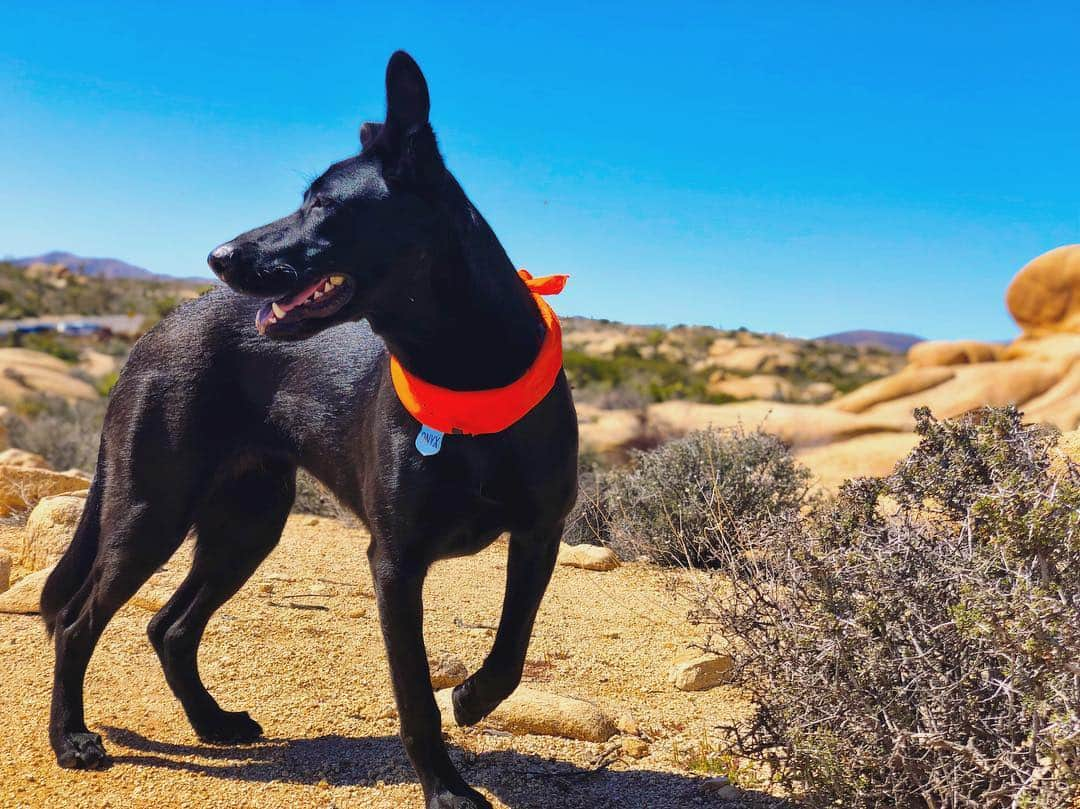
[[613, 365], [53, 289], [910, 641], [904, 638]]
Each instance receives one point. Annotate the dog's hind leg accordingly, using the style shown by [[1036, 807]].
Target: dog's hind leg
[[529, 566], [135, 541], [237, 528]]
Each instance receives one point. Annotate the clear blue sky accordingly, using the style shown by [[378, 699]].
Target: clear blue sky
[[801, 168]]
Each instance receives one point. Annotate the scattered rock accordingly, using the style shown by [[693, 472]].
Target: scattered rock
[[625, 723], [755, 386], [587, 557], [634, 747], [817, 392], [5, 571], [20, 457], [24, 596], [714, 785], [21, 488], [720, 788], [537, 712], [446, 671], [701, 672], [49, 529]]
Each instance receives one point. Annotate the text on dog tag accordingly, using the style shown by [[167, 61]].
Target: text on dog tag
[[429, 441]]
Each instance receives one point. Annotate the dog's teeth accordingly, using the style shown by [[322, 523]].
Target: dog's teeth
[[277, 309], [317, 295], [328, 287], [337, 280]]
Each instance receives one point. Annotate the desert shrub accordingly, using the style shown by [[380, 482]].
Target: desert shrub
[[314, 498], [65, 433], [682, 502], [914, 642]]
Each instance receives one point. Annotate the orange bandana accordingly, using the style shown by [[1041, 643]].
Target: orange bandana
[[478, 412]]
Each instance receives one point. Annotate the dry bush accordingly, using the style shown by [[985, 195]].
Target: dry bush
[[314, 498], [680, 503], [65, 433], [915, 642]]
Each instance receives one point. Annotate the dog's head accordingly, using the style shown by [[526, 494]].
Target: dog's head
[[366, 219]]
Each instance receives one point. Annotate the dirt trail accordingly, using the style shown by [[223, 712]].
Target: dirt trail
[[300, 648]]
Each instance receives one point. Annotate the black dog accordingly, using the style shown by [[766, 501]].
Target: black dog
[[220, 403]]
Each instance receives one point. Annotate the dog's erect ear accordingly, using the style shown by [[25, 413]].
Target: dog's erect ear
[[368, 133], [407, 100], [405, 142]]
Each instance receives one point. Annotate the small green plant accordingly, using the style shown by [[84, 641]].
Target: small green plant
[[105, 384]]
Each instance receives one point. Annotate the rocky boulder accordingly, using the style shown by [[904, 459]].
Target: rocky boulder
[[24, 596], [932, 353], [24, 372], [697, 671], [872, 455], [755, 386], [20, 457], [1044, 297], [796, 425], [603, 430], [909, 381], [49, 529], [446, 671], [587, 557], [537, 712], [21, 488]]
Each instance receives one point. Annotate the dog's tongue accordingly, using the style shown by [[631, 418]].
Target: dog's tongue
[[301, 296], [283, 306]]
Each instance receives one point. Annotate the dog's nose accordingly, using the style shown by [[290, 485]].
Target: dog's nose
[[222, 259]]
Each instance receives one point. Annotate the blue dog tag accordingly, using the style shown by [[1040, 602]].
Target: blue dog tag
[[429, 441]]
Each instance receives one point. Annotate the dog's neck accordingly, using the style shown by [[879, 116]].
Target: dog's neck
[[461, 318]]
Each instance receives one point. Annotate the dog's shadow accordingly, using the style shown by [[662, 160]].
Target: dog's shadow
[[520, 780]]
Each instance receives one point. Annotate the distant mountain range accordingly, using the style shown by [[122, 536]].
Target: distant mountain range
[[102, 267], [868, 338]]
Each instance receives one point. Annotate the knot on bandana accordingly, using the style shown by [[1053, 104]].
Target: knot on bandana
[[480, 412]]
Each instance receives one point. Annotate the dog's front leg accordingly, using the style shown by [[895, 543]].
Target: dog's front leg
[[528, 570], [399, 592]]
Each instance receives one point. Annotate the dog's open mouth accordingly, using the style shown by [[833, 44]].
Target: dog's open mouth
[[321, 299]]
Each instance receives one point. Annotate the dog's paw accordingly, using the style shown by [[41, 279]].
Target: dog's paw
[[229, 727], [81, 751], [463, 799]]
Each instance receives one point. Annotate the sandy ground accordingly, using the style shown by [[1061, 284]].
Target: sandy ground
[[299, 647]]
